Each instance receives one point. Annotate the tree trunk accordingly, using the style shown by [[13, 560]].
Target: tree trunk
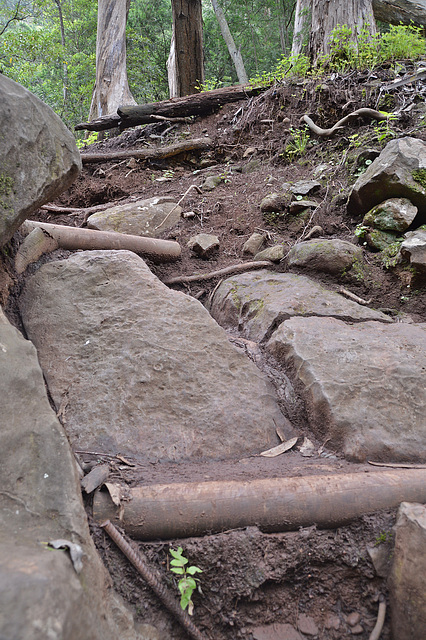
[[401, 11], [234, 52], [302, 27], [326, 16], [111, 88], [185, 64], [64, 65]]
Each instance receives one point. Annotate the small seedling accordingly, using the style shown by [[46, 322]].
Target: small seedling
[[187, 584]]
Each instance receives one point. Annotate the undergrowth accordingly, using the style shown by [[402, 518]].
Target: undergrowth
[[366, 51]]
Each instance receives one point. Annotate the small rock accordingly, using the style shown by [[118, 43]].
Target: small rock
[[276, 631], [414, 248], [329, 256], [394, 214], [303, 187], [307, 625], [357, 630], [274, 254], [254, 244], [299, 205], [353, 618], [314, 232], [381, 558], [211, 182], [273, 203], [332, 622], [204, 245]]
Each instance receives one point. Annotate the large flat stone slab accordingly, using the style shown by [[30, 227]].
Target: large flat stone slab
[[258, 302], [149, 217], [364, 384], [38, 156], [41, 595], [140, 369]]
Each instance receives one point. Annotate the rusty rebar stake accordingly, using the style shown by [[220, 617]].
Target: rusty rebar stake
[[153, 581]]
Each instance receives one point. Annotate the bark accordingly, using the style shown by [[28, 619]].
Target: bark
[[274, 504], [156, 153], [194, 105], [74, 238], [302, 27], [234, 51], [326, 16], [401, 11], [186, 64], [112, 87]]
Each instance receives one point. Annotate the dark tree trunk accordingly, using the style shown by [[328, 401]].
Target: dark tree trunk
[[185, 64], [401, 11]]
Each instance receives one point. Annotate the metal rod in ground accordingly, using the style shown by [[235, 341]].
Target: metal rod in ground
[[153, 581]]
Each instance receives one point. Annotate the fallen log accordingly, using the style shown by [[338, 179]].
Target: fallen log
[[273, 504], [73, 238], [155, 153], [193, 105]]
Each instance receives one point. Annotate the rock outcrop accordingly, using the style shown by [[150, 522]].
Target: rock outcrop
[[38, 156], [140, 369]]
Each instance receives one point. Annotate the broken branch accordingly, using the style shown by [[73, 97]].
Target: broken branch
[[236, 268]]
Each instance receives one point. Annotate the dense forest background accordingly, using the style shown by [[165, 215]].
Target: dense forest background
[[49, 46]]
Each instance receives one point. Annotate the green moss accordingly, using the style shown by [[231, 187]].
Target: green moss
[[6, 190], [420, 177]]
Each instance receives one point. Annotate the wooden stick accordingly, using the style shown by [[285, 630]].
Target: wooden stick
[[353, 296], [73, 238], [193, 186], [199, 144], [236, 268]]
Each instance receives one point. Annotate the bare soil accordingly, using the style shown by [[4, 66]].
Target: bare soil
[[251, 579]]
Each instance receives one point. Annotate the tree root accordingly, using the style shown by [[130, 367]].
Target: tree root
[[236, 268], [324, 133]]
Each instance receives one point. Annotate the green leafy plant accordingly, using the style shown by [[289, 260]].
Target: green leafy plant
[[91, 139], [361, 231], [383, 129], [187, 583], [298, 143], [390, 255]]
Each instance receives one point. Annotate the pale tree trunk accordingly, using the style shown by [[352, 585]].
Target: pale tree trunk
[[185, 65], [326, 16], [64, 66], [234, 52], [111, 88], [302, 27]]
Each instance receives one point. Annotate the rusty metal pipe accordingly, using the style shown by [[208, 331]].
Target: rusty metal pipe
[[274, 504]]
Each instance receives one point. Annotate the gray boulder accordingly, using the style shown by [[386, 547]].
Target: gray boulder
[[38, 156], [394, 214], [328, 256], [408, 575], [414, 248], [140, 369], [149, 217], [41, 594], [364, 384], [398, 172], [257, 303]]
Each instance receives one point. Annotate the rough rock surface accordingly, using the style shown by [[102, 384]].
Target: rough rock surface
[[394, 214], [140, 369], [398, 172], [408, 576], [150, 217], [364, 384], [41, 596], [38, 156], [414, 248], [258, 302], [328, 256]]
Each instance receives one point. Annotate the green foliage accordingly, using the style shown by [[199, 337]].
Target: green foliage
[[385, 536], [298, 143], [390, 255], [187, 584]]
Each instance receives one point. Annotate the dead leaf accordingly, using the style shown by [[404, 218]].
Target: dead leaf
[[279, 449], [115, 492]]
